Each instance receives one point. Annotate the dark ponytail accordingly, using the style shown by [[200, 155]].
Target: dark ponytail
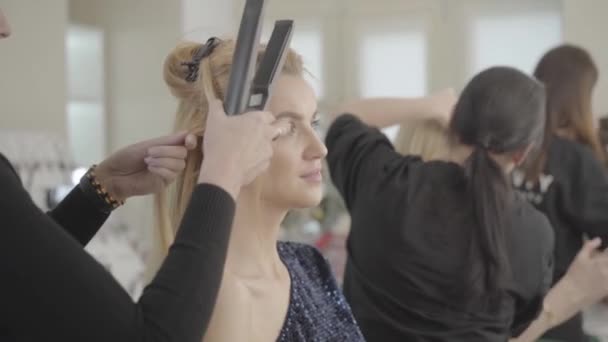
[[490, 192], [499, 113]]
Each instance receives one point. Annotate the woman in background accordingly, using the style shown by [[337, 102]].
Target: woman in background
[[566, 179], [442, 250], [586, 281]]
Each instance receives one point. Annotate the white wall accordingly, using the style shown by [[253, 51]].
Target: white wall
[[199, 22], [32, 67], [86, 116], [139, 35]]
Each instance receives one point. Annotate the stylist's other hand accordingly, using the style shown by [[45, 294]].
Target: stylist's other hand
[[236, 149], [443, 105], [585, 284], [588, 273], [145, 167]]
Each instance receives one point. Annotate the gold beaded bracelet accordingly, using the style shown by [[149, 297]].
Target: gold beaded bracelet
[[90, 185]]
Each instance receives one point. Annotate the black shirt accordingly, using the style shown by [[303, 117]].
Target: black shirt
[[573, 193], [52, 290], [411, 223]]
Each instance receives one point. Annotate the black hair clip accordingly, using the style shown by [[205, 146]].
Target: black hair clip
[[204, 51]]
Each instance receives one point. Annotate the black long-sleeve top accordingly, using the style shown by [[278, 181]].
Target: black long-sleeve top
[[52, 290], [409, 244]]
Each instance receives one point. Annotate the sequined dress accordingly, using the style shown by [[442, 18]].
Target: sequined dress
[[317, 309]]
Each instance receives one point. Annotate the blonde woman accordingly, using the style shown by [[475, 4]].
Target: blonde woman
[[270, 290], [53, 290]]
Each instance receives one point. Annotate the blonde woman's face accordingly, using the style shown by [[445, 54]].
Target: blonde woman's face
[[5, 29], [294, 178]]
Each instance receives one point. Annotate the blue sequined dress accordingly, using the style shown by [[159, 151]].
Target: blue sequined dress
[[317, 309]]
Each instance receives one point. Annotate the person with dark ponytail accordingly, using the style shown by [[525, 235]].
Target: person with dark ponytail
[[444, 250], [566, 177]]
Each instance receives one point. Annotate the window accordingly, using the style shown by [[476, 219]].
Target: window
[[517, 40], [85, 109], [393, 62]]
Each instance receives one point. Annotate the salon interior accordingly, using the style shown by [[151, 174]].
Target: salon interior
[[82, 78]]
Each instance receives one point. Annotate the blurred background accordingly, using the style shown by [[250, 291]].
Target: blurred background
[[81, 78]]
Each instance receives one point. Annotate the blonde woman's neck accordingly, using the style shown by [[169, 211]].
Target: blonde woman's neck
[[252, 251]]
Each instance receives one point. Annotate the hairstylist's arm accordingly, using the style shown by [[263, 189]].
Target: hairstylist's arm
[[139, 169], [236, 150], [384, 112], [585, 283], [53, 290]]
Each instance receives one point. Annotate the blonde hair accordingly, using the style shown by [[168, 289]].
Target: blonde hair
[[191, 115], [428, 139]]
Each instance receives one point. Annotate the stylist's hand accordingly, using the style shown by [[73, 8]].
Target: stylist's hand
[[237, 149], [585, 283], [588, 273], [145, 167]]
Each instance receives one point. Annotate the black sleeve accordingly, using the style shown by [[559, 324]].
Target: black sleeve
[[357, 155], [529, 307], [51, 289], [76, 214], [585, 201]]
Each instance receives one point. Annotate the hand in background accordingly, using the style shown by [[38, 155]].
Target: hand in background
[[443, 103]]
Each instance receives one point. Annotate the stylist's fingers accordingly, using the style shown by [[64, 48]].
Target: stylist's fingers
[[173, 164], [190, 142], [589, 248], [278, 129], [176, 139], [267, 117], [176, 152], [168, 176]]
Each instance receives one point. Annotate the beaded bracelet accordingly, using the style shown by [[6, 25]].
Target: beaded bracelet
[[97, 192]]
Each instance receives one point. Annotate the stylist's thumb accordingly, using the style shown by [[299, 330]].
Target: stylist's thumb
[[590, 248], [280, 128]]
